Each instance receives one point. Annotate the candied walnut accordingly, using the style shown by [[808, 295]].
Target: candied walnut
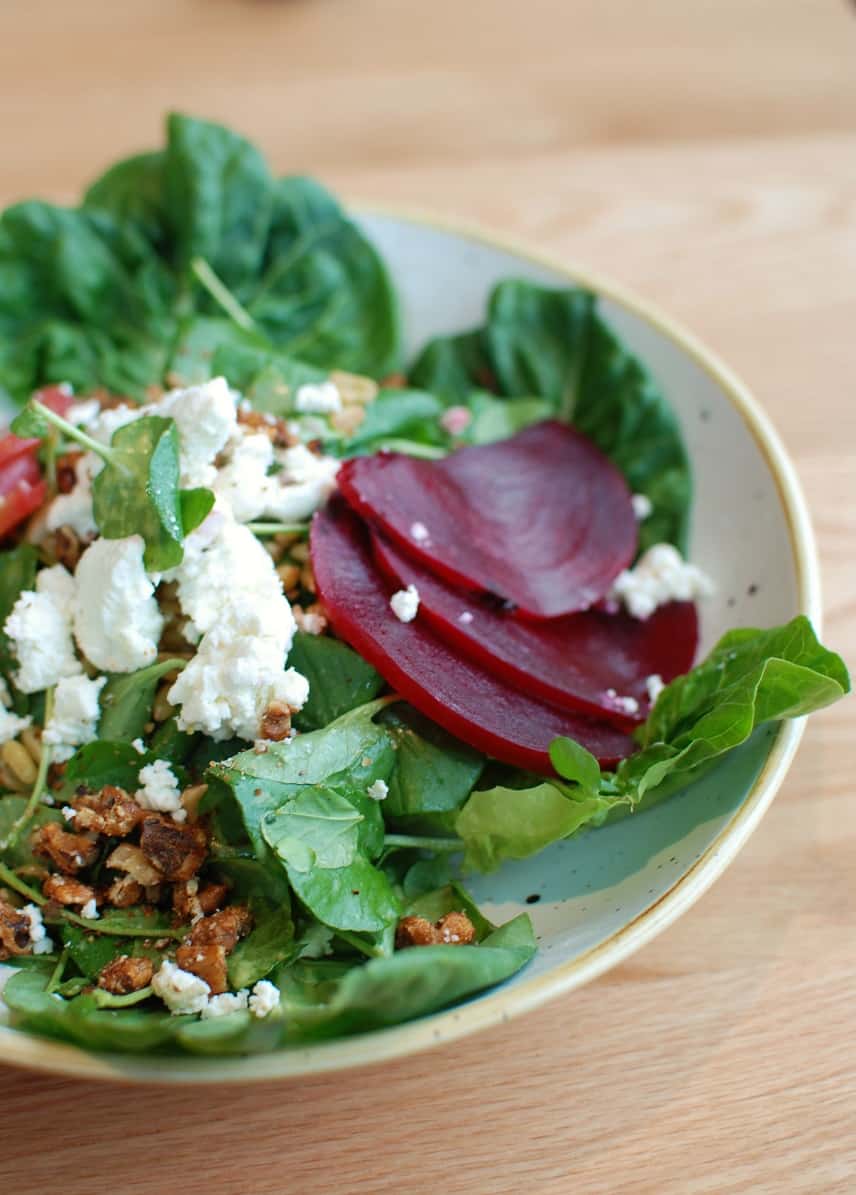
[[191, 902], [111, 811], [70, 853], [178, 851], [130, 858], [65, 891], [14, 931], [223, 928], [126, 974], [414, 931], [208, 962], [64, 546], [65, 471], [273, 426], [455, 929], [124, 892], [276, 722], [190, 798]]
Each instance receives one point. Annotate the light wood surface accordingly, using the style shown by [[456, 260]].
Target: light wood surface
[[704, 153]]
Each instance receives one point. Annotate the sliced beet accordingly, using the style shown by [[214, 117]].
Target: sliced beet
[[469, 702], [543, 519], [589, 662]]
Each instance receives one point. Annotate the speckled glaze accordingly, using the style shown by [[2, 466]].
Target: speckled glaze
[[595, 899]]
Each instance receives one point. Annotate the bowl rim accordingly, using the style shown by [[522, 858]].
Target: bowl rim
[[496, 1007]]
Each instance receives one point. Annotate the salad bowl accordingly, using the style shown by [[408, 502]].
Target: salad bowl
[[596, 898]]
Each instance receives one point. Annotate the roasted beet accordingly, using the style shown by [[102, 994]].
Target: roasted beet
[[455, 692], [542, 520], [592, 662]]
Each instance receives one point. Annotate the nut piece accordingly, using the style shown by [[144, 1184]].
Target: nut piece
[[66, 891], [124, 892], [414, 931], [177, 851], [223, 928], [455, 929], [131, 859], [208, 962], [192, 902], [111, 811], [14, 931], [276, 722], [125, 975], [68, 852]]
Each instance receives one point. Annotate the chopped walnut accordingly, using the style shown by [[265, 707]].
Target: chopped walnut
[[66, 476], [70, 853], [66, 891], [14, 931], [455, 929], [124, 892], [64, 546], [190, 798], [177, 851], [111, 811], [276, 722], [129, 858], [208, 962], [223, 928], [273, 426], [191, 902], [126, 974]]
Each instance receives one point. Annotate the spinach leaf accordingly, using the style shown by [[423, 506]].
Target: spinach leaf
[[17, 573], [12, 808], [133, 192], [268, 379], [358, 897], [322, 1000], [91, 952], [174, 745], [499, 418], [317, 828], [434, 772], [271, 941], [412, 415], [339, 679], [451, 898], [126, 701], [553, 344], [99, 763], [202, 338], [750, 677]]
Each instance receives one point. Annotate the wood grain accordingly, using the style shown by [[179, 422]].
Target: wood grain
[[705, 155]]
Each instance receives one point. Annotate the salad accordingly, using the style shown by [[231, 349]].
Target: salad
[[294, 634]]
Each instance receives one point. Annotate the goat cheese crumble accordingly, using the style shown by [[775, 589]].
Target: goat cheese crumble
[[40, 943], [181, 991], [378, 790], [264, 998], [655, 686], [660, 575], [75, 715], [642, 507], [11, 725], [160, 791], [74, 509], [405, 603], [227, 1002], [39, 627], [321, 399], [90, 910], [117, 622]]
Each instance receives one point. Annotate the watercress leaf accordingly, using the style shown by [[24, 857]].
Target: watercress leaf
[[30, 422], [503, 823], [195, 506], [11, 809], [425, 875], [357, 897], [339, 679], [750, 677], [315, 828], [126, 701], [573, 762], [434, 772], [322, 1000], [137, 490]]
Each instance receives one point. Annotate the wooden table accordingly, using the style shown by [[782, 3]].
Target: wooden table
[[705, 154]]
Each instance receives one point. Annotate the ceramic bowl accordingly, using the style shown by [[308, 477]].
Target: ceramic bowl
[[597, 899]]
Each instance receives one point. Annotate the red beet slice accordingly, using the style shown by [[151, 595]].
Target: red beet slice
[[542, 519], [589, 662], [452, 690]]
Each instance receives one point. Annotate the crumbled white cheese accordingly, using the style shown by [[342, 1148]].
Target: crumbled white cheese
[[642, 506], [40, 943], [243, 481], [655, 686], [405, 603], [39, 627], [310, 621], [117, 622], [465, 617], [321, 399], [112, 418], [206, 417], [221, 1006], [11, 725], [160, 791], [90, 910], [75, 714], [419, 532], [139, 746], [69, 813], [624, 705], [264, 998], [181, 991], [317, 941], [74, 509], [303, 484], [84, 413], [660, 575], [378, 790]]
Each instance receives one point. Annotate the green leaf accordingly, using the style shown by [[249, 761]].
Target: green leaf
[[137, 490], [750, 677], [317, 828], [454, 366], [268, 379], [99, 763], [132, 192], [30, 423], [271, 941], [174, 745], [339, 679], [195, 506], [434, 772], [127, 699], [11, 809], [358, 897], [450, 898], [573, 762], [412, 415]]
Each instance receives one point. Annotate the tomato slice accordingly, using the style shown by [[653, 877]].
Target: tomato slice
[[13, 447], [58, 398], [22, 491]]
